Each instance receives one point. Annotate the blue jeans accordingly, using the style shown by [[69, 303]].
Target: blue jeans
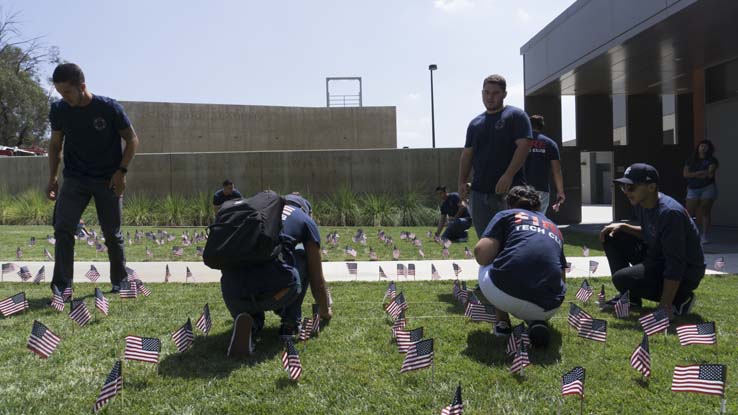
[[545, 197], [484, 207], [457, 229], [74, 196]]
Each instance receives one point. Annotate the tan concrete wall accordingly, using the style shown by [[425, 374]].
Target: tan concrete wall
[[169, 127], [313, 172]]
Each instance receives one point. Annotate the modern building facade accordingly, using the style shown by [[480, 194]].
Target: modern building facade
[[650, 78]]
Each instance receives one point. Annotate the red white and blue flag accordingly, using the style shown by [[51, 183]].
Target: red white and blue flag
[[707, 379], [291, 362], [40, 275], [594, 329], [584, 292], [457, 406], [700, 333], [144, 349], [79, 313], [419, 355], [204, 323], [43, 341], [520, 361], [411, 270], [407, 337], [655, 322], [435, 276], [401, 272], [396, 306], [640, 360], [622, 306], [572, 383], [112, 386], [13, 305], [57, 302], [101, 303], [183, 337], [576, 316], [92, 274]]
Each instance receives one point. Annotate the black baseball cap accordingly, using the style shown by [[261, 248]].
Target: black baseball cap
[[639, 173]]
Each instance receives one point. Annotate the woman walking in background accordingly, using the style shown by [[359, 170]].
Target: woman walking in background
[[699, 170]]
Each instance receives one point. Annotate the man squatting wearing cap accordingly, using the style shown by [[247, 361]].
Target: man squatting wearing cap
[[660, 260]]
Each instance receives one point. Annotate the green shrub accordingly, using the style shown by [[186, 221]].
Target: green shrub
[[138, 210], [414, 211], [377, 210], [171, 210], [30, 208]]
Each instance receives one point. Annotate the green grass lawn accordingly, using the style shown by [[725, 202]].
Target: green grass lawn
[[12, 237], [352, 368]]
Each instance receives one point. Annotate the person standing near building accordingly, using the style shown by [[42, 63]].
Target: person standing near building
[[228, 192], [699, 171], [99, 143], [544, 161], [497, 144]]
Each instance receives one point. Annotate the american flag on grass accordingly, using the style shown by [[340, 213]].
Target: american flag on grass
[[57, 302], [418, 243], [13, 305], [167, 274], [411, 270], [707, 379], [43, 341], [79, 312], [24, 273], [372, 254], [144, 349], [576, 315], [188, 274], [445, 253], [456, 290], [401, 272], [200, 250], [177, 251], [457, 269], [655, 322], [456, 407], [353, 268], [700, 333], [18, 253], [8, 267], [40, 275], [467, 253], [481, 313], [396, 253], [68, 293], [101, 303], [131, 274], [32, 241], [291, 362], [306, 329], [316, 319], [113, 384], [520, 361], [399, 324], [128, 289], [396, 306], [407, 337], [141, 288], [435, 276], [382, 274], [622, 306], [601, 299], [391, 292], [594, 329], [183, 337], [584, 292], [149, 254], [204, 323], [572, 383], [47, 254], [585, 250], [421, 254], [518, 337], [593, 266], [92, 274], [463, 293], [640, 360], [419, 355]]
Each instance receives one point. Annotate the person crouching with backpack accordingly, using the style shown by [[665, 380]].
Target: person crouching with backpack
[[279, 285]]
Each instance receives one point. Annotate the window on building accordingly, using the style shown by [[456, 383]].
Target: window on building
[[668, 120], [619, 120]]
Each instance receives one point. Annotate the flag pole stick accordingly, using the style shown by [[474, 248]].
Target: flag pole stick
[[581, 406], [561, 402], [722, 406]]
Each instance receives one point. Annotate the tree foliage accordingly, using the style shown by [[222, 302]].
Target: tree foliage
[[23, 102]]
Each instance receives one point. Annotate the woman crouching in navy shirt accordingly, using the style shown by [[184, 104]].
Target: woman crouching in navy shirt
[[522, 271]]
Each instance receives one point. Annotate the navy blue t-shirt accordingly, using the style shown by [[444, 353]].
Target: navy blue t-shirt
[[672, 237], [531, 258], [299, 226], [700, 165], [538, 163], [450, 206], [219, 197], [492, 138], [92, 144]]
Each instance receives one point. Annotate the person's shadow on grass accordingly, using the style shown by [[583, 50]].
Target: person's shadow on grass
[[454, 306], [489, 349]]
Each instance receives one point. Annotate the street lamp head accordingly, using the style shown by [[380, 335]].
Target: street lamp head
[[432, 67]]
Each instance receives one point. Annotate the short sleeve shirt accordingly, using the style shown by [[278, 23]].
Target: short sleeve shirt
[[93, 147], [219, 197], [531, 258], [538, 163], [300, 227], [492, 138], [450, 206], [700, 165]]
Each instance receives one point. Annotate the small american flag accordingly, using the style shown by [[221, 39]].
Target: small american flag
[[568, 267], [701, 333], [457, 269], [57, 302], [396, 253], [372, 254], [43, 341], [183, 337], [79, 312], [32, 241], [13, 305], [622, 306], [291, 362], [101, 303], [463, 293], [446, 243], [419, 355], [306, 329], [593, 266], [444, 253], [68, 293], [177, 251], [417, 242], [399, 324], [518, 337], [435, 276], [407, 337], [396, 306], [8, 267], [719, 263], [316, 319], [128, 289], [706, 379], [481, 313], [520, 361], [100, 247], [411, 270], [456, 407], [421, 254], [18, 253], [141, 288], [113, 384], [167, 274], [601, 298], [382, 274], [148, 252], [47, 254], [467, 253], [572, 383], [640, 360], [585, 251], [188, 274], [654, 322], [584, 292], [353, 268], [40, 275], [576, 315], [391, 292], [401, 272], [456, 290], [24, 273], [200, 250], [131, 274], [90, 242], [92, 274], [144, 349], [594, 329], [204, 323], [50, 239]]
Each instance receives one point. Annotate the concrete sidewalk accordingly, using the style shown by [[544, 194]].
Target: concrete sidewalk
[[336, 271]]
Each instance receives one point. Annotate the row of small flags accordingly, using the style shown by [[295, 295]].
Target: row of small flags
[[418, 351], [402, 271], [92, 274]]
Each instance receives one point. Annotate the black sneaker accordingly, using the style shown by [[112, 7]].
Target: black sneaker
[[241, 340], [686, 307], [288, 332], [539, 333], [502, 329], [610, 304], [115, 289]]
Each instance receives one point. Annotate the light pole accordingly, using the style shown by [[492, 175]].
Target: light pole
[[432, 68]]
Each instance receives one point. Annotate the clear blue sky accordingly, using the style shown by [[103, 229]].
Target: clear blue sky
[[280, 52]]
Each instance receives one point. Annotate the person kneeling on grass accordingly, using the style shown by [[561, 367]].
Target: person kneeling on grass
[[522, 260], [250, 290]]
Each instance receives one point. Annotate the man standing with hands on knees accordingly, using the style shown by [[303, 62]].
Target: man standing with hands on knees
[[497, 144], [99, 143], [661, 258]]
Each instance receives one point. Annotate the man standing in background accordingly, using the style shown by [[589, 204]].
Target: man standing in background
[[544, 161]]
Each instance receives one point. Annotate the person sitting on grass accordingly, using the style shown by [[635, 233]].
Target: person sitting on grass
[[248, 291], [522, 260]]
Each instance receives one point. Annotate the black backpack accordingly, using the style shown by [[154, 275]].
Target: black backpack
[[246, 231]]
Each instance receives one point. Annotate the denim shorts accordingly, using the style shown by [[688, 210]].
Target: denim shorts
[[708, 192]]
